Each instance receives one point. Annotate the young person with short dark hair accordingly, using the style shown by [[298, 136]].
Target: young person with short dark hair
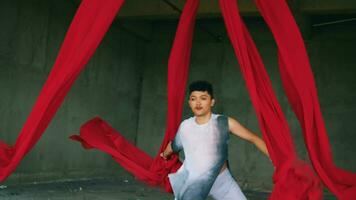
[[204, 140]]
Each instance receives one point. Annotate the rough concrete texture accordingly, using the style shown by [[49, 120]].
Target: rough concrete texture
[[100, 189], [31, 35], [331, 54], [125, 83]]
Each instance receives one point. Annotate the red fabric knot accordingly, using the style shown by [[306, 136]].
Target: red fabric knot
[[163, 167]]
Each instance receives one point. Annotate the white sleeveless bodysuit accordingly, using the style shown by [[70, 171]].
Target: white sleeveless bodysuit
[[205, 148]]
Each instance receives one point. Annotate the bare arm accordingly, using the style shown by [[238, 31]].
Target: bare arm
[[237, 129], [173, 146]]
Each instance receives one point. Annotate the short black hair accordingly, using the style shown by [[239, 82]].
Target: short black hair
[[203, 86]]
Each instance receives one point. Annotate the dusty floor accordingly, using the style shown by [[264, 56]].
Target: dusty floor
[[100, 189]]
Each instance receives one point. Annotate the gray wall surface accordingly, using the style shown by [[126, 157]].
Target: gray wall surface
[[331, 51], [31, 35], [125, 83]]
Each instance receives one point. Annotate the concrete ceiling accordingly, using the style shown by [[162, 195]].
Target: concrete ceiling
[[308, 13], [163, 9]]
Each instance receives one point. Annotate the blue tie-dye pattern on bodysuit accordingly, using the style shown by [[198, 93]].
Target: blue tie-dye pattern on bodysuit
[[205, 149]]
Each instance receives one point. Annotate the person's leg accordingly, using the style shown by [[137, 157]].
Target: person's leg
[[226, 188]]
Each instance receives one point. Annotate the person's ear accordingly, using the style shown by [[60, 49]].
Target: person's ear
[[212, 102]]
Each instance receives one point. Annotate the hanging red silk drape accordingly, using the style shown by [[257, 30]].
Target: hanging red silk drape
[[299, 86], [294, 179], [96, 133], [87, 29], [298, 82]]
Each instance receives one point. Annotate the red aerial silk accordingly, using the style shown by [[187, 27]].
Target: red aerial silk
[[293, 178], [87, 29], [299, 85], [98, 134]]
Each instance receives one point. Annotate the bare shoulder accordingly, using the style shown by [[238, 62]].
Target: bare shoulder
[[239, 130], [232, 123]]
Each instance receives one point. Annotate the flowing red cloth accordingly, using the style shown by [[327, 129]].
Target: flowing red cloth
[[87, 29], [299, 86], [293, 178], [98, 134]]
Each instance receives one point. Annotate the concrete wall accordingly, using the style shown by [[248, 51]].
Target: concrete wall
[[31, 35], [331, 52], [125, 83]]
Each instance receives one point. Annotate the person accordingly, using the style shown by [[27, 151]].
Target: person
[[204, 141]]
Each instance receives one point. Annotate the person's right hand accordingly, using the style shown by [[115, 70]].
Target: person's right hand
[[164, 156]]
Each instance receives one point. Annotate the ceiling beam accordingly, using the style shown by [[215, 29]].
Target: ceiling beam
[[159, 9], [328, 6]]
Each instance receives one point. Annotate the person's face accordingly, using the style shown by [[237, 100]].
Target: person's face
[[200, 103]]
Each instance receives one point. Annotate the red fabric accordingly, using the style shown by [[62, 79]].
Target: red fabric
[[293, 178], [89, 26], [299, 85], [98, 134]]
